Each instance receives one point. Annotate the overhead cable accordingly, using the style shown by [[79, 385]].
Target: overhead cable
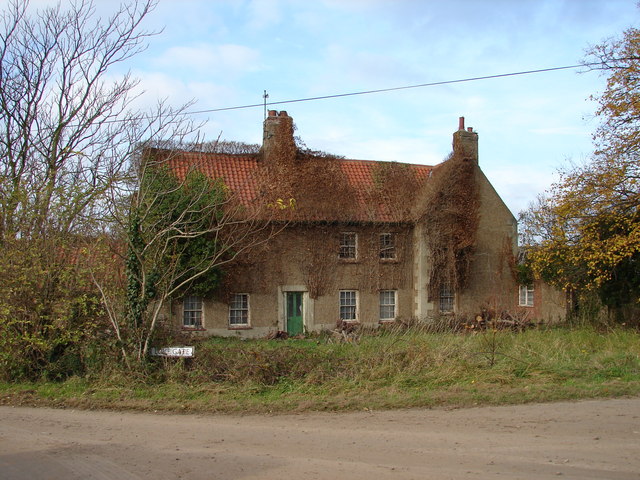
[[392, 89]]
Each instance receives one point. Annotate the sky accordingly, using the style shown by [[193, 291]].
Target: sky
[[226, 53]]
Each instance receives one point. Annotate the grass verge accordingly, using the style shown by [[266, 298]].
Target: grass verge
[[384, 370]]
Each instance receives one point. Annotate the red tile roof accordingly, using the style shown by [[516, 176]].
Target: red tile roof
[[237, 171], [241, 174], [360, 173], [361, 176]]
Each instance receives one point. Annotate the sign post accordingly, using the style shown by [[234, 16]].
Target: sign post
[[173, 352]]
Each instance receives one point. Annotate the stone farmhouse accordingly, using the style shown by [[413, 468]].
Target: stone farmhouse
[[363, 241]]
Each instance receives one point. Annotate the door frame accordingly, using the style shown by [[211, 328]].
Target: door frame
[[288, 314], [307, 307]]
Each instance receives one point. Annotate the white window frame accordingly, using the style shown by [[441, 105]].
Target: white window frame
[[348, 246], [348, 299], [446, 299], [387, 243], [525, 295], [387, 301], [244, 307], [192, 312]]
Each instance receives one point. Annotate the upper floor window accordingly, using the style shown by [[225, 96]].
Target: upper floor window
[[387, 246], [239, 310], [348, 245], [446, 298], [388, 305], [192, 312], [526, 296]]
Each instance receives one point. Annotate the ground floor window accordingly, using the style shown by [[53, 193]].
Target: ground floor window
[[239, 310], [446, 298], [526, 296], [388, 304], [192, 312], [348, 305]]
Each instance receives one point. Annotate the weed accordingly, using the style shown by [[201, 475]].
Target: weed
[[395, 367]]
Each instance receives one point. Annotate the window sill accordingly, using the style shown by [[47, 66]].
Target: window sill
[[387, 320], [389, 260], [194, 329], [348, 260], [240, 327]]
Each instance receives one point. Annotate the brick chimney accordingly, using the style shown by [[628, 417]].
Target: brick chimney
[[278, 143], [465, 142]]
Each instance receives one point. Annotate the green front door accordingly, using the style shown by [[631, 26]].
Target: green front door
[[294, 313]]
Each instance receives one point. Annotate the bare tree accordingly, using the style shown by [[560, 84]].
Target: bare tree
[[182, 229], [68, 134], [76, 170], [66, 130]]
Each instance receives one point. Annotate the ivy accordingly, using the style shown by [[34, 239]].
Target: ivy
[[170, 228]]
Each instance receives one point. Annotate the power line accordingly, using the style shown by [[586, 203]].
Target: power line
[[264, 104], [392, 89]]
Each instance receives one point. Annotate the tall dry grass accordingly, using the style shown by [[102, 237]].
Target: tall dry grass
[[408, 366]]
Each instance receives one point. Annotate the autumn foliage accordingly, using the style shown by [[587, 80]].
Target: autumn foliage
[[449, 211], [585, 234]]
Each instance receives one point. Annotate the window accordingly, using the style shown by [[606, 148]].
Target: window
[[192, 312], [239, 310], [446, 298], [387, 246], [387, 305], [348, 305], [526, 296], [348, 243]]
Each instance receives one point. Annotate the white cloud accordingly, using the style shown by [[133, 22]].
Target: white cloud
[[561, 130], [161, 86], [263, 14], [216, 60], [519, 186]]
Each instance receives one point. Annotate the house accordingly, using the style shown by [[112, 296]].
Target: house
[[363, 241]]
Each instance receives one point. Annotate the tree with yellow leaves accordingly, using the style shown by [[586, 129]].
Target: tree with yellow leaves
[[585, 234]]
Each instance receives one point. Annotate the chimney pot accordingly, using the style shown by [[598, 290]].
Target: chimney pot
[[272, 113], [461, 123], [283, 113], [470, 129]]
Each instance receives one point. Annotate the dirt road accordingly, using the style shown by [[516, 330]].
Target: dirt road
[[583, 440]]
